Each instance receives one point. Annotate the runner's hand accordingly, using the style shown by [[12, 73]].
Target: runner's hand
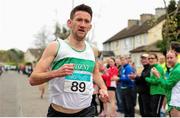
[[103, 95], [66, 69]]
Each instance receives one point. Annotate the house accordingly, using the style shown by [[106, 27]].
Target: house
[[101, 54], [138, 33], [32, 55], [136, 53]]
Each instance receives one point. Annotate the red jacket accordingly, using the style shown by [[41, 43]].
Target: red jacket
[[112, 71]]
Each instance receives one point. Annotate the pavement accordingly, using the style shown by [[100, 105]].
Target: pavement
[[19, 98]]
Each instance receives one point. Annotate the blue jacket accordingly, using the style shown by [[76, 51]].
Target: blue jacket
[[125, 81]]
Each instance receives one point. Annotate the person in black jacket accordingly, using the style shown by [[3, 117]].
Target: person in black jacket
[[142, 87]]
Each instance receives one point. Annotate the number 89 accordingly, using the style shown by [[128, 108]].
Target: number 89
[[78, 86]]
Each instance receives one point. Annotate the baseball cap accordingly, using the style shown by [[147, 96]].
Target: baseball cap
[[145, 55]]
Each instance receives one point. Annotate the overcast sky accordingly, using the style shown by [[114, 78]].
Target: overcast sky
[[20, 20]]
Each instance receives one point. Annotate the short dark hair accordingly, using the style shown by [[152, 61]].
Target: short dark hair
[[81, 7], [112, 58], [172, 51], [175, 46], [154, 54]]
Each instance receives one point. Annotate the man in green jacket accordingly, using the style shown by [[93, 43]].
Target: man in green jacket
[[172, 85]]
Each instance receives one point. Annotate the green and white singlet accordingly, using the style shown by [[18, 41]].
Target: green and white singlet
[[175, 94], [73, 91]]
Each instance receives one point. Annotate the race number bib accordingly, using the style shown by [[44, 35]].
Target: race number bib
[[77, 83]]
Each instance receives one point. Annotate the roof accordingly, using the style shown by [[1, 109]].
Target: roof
[[146, 48], [134, 30], [107, 53]]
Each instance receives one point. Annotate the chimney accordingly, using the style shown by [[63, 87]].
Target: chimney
[[145, 17], [159, 12], [132, 22]]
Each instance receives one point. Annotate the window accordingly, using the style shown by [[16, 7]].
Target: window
[[125, 44]]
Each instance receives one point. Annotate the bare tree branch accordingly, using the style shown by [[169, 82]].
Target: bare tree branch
[[177, 9]]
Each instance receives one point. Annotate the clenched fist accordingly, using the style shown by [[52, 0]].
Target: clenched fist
[[66, 69]]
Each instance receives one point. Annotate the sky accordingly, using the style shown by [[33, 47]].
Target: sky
[[21, 20]]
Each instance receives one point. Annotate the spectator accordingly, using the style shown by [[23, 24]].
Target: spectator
[[172, 84], [142, 87], [156, 90], [111, 76], [118, 89], [127, 88]]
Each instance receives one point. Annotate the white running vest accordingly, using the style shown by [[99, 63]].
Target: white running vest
[[175, 101], [73, 91]]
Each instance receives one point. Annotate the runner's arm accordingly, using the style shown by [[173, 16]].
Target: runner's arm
[[98, 79], [40, 73]]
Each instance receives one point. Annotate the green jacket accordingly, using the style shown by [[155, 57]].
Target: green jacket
[[155, 86], [172, 85]]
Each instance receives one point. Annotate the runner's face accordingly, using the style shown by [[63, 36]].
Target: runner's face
[[80, 24], [171, 59]]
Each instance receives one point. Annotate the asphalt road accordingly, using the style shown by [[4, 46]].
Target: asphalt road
[[19, 99]]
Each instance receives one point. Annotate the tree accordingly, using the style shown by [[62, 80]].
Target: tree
[[61, 32], [12, 56], [3, 57], [170, 27], [178, 20], [42, 38], [15, 56], [171, 7]]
